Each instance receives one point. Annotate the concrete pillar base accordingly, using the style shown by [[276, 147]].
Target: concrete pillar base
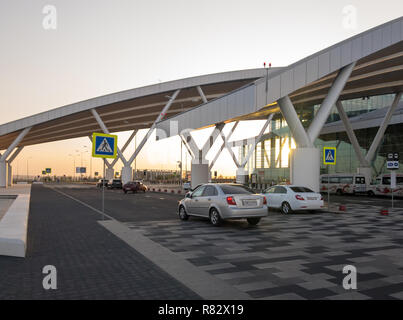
[[126, 174], [241, 176], [305, 167], [367, 172], [3, 174], [9, 175], [200, 174], [109, 173]]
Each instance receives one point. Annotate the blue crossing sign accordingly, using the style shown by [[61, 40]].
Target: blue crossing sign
[[329, 155], [104, 145]]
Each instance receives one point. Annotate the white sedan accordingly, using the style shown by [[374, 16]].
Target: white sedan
[[293, 198]]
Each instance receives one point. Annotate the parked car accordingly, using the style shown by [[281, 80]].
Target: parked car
[[115, 184], [219, 202], [293, 198], [134, 186], [186, 186], [102, 182]]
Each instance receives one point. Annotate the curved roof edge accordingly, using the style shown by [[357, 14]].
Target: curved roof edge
[[304, 72], [168, 86]]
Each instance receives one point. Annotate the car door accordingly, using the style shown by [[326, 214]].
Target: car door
[[194, 201], [270, 197], [281, 195], [205, 200]]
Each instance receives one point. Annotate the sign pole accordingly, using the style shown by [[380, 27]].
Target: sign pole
[[103, 195], [329, 158], [328, 189], [392, 185], [104, 146]]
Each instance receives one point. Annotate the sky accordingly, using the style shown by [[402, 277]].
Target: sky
[[97, 47]]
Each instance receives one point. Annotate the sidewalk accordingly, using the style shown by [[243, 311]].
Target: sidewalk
[[91, 262]]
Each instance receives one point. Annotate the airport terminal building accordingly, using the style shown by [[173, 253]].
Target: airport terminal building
[[270, 161], [347, 96]]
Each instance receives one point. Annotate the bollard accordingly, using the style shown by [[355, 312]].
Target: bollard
[[342, 208], [179, 191], [384, 212], [172, 191]]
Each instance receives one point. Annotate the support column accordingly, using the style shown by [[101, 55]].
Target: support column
[[365, 167], [3, 158], [9, 174], [305, 167], [127, 174], [10, 168], [3, 174], [381, 131], [200, 169], [199, 174], [109, 173], [305, 159], [241, 175]]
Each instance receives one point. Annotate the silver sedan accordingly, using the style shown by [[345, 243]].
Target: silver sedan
[[219, 202]]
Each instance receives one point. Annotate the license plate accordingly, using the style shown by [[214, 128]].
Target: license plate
[[249, 203], [311, 198]]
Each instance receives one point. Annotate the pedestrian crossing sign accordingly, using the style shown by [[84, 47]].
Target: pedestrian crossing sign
[[104, 145], [329, 155]]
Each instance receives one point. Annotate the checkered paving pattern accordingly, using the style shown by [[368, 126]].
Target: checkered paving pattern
[[296, 256]]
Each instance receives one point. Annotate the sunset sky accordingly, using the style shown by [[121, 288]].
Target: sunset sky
[[100, 47]]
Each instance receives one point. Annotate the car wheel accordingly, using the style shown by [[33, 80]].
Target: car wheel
[[285, 208], [339, 192], [371, 193], [182, 214], [215, 218], [125, 191], [253, 221]]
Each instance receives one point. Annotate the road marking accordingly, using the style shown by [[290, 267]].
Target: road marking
[[81, 202]]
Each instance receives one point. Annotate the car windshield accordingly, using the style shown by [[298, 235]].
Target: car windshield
[[301, 189], [235, 189]]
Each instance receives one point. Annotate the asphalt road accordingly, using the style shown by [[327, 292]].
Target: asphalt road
[[149, 206], [157, 206]]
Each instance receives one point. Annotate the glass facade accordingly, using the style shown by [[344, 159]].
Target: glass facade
[[270, 160]]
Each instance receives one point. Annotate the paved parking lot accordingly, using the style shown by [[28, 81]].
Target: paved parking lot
[[296, 256]]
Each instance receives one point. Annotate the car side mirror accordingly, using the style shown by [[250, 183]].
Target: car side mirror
[[188, 195]]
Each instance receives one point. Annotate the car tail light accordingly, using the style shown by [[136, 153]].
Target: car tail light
[[298, 197], [231, 201], [264, 200]]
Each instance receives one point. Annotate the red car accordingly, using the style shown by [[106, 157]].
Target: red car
[[134, 186]]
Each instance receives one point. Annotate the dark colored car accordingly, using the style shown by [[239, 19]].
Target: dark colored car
[[115, 184], [134, 186], [102, 181]]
